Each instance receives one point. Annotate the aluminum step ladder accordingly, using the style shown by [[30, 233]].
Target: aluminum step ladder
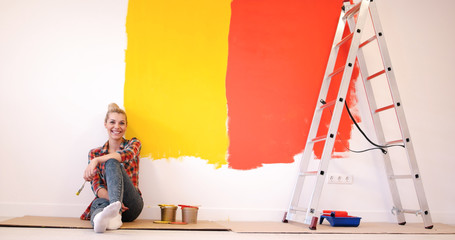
[[354, 17]]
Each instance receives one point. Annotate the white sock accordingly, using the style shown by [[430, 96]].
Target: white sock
[[101, 219], [115, 222]]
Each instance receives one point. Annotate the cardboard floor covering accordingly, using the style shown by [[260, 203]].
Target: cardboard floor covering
[[145, 224], [325, 228], [240, 227]]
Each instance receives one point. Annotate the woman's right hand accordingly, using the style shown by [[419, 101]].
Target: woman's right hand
[[90, 170]]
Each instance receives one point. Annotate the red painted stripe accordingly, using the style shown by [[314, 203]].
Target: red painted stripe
[[278, 51]]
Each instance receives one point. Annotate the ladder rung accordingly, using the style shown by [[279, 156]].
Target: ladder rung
[[309, 173], [396, 210], [352, 11], [344, 40], [318, 139], [401, 177], [394, 142], [416, 212], [340, 69], [371, 39], [328, 104], [375, 75], [384, 108], [297, 209]]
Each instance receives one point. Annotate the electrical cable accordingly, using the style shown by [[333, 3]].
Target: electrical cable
[[355, 151], [381, 147], [377, 146]]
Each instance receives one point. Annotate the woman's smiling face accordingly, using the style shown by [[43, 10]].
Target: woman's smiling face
[[116, 125]]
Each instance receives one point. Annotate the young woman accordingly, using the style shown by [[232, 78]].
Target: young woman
[[113, 171]]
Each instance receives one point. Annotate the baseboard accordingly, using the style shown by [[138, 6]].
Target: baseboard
[[205, 213]]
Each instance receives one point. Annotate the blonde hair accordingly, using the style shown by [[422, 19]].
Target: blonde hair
[[114, 108]]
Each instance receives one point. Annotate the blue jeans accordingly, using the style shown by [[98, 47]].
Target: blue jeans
[[120, 188]]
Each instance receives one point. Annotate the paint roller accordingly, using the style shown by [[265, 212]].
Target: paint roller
[[335, 213]]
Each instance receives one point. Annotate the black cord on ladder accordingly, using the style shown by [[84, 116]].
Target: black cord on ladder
[[377, 146], [355, 151], [381, 147]]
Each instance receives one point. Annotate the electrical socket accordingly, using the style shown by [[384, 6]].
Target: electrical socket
[[340, 179]]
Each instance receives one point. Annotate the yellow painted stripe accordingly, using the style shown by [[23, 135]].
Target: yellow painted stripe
[[176, 62]]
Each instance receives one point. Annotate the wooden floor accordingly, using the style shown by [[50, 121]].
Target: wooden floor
[[241, 231]]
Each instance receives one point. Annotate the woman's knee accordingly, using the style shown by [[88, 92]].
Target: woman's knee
[[112, 163]]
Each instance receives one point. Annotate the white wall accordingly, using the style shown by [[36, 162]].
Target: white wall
[[62, 62]]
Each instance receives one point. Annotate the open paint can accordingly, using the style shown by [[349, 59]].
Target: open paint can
[[189, 213], [168, 212]]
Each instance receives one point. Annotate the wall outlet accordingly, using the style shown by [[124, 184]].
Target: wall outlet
[[340, 179]]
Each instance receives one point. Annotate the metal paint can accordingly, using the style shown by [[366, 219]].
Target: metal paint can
[[189, 214], [168, 212]]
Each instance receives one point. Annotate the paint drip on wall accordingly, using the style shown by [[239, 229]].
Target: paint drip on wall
[[231, 82]]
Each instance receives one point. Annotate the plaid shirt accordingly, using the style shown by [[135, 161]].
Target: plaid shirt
[[129, 151]]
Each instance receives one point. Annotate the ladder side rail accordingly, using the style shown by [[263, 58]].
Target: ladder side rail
[[336, 115], [306, 156], [379, 130], [289, 216], [325, 84], [401, 118]]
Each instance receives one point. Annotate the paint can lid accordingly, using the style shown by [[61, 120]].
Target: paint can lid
[[167, 206], [188, 206], [162, 222]]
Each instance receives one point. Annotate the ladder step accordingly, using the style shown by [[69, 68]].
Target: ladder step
[[371, 39], [384, 108], [416, 212], [348, 37], [352, 11], [394, 142], [297, 209], [318, 139], [401, 177], [309, 173], [340, 69], [375, 75], [328, 104], [345, 39]]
